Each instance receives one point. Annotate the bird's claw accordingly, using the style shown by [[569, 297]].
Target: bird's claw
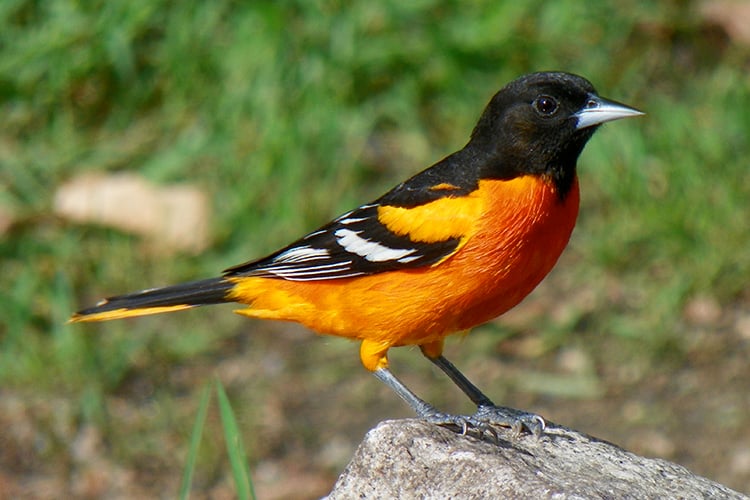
[[518, 421], [464, 424], [486, 418]]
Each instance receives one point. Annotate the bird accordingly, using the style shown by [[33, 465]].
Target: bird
[[454, 246]]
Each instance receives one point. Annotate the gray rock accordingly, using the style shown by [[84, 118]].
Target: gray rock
[[414, 459]]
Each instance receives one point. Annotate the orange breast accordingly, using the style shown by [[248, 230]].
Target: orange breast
[[522, 231]]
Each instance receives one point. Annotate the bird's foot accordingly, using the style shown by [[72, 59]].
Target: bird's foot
[[518, 421], [463, 424]]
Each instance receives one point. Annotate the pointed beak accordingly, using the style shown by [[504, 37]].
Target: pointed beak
[[598, 110]]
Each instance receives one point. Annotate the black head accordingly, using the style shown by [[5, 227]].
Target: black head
[[539, 124]]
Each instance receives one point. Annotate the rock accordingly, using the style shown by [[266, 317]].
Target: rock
[[414, 459]]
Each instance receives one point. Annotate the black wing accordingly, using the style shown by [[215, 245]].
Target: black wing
[[354, 244], [358, 243]]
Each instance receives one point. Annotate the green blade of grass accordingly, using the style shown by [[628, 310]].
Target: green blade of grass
[[237, 457], [195, 440]]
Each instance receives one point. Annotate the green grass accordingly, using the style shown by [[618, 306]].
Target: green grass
[[195, 441], [236, 451], [232, 437], [288, 113]]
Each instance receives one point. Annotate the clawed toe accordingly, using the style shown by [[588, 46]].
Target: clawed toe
[[464, 424], [518, 421]]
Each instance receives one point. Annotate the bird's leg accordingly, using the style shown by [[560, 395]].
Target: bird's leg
[[428, 412], [487, 411], [374, 356]]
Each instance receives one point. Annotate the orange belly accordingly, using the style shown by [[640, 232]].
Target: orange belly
[[524, 229]]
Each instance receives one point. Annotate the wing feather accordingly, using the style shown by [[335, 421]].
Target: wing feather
[[355, 244], [419, 223]]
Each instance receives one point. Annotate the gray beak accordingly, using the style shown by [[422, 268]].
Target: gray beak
[[598, 110]]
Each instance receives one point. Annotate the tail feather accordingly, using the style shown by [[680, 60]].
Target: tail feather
[[158, 300]]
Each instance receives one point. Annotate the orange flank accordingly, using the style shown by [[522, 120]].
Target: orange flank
[[524, 229]]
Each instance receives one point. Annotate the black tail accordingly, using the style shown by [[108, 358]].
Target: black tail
[[158, 300]]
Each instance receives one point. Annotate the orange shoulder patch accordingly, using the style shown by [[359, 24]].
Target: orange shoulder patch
[[439, 220]]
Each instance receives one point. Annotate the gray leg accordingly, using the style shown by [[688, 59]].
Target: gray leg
[[486, 410], [427, 411], [463, 383]]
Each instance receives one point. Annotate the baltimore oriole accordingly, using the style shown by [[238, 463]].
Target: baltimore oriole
[[452, 247]]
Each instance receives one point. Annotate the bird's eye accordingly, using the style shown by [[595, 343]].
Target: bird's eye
[[545, 105]]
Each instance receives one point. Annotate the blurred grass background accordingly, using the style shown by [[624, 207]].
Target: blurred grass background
[[289, 113]]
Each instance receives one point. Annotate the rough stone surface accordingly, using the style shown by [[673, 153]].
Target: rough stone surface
[[413, 459]]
